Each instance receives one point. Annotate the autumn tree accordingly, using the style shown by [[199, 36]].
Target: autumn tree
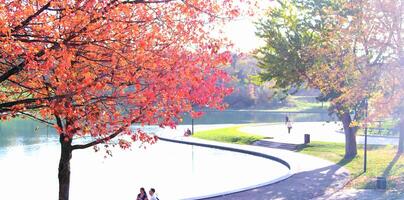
[[292, 58], [368, 44], [372, 43], [94, 68], [349, 50]]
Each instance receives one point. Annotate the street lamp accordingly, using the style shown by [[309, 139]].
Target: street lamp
[[192, 123], [366, 138]]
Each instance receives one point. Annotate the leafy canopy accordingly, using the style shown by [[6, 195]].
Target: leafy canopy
[[99, 66]]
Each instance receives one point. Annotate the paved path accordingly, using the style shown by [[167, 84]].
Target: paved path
[[301, 186], [353, 194], [312, 177], [319, 131]]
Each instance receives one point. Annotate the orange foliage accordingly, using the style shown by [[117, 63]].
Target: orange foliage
[[100, 66]]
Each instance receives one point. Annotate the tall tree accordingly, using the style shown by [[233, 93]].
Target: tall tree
[[353, 55], [375, 36], [94, 68], [370, 41], [295, 33]]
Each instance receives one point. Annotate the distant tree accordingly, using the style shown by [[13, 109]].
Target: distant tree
[[94, 68], [246, 94]]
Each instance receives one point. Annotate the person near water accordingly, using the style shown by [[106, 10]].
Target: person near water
[[188, 132]]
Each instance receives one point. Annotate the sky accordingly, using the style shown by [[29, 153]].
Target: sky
[[242, 31], [242, 34]]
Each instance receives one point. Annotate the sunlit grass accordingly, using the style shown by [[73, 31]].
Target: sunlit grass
[[386, 127], [382, 161], [304, 103], [229, 135]]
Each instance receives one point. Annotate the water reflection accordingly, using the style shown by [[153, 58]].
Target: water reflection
[[29, 143], [196, 171], [24, 132], [28, 132]]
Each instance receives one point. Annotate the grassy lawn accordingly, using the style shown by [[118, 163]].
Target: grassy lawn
[[229, 135], [384, 128], [382, 161], [304, 103]]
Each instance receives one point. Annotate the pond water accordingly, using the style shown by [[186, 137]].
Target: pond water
[[29, 155], [26, 132], [177, 171]]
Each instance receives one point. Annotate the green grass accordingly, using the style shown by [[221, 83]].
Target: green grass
[[383, 128], [389, 123], [304, 103], [382, 161], [229, 135]]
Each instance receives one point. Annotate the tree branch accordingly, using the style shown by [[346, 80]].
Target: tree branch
[[146, 2], [202, 10], [116, 133], [30, 100], [34, 40], [12, 71], [18, 68], [30, 18], [26, 87], [36, 118]]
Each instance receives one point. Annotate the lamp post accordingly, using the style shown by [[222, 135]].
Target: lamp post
[[192, 123], [366, 139]]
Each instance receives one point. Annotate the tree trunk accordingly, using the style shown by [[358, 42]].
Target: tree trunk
[[64, 167], [350, 136], [401, 138]]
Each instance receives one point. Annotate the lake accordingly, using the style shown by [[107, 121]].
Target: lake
[[19, 132], [29, 153]]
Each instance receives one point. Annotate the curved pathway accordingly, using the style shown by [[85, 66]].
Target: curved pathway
[[319, 183], [312, 177], [319, 131]]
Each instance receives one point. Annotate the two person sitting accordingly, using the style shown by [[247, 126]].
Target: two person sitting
[[143, 196]]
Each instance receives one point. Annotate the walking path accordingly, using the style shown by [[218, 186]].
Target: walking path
[[313, 178], [353, 194], [310, 176], [319, 131]]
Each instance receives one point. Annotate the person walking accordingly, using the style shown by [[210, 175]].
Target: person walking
[[142, 195], [289, 125]]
